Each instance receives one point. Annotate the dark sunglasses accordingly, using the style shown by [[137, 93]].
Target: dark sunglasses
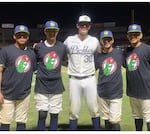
[[107, 39], [18, 36], [84, 24]]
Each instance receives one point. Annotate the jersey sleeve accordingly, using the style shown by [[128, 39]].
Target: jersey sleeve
[[148, 53], [3, 57], [34, 62], [37, 47], [122, 57], [65, 56], [98, 45], [66, 41], [96, 60]]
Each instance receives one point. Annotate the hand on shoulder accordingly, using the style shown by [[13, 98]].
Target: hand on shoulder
[[36, 43]]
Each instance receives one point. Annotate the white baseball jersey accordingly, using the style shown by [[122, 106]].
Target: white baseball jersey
[[81, 55]]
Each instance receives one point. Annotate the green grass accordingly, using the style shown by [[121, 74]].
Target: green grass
[[84, 122]]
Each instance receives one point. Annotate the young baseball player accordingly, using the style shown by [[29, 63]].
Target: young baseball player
[[138, 76], [81, 70], [51, 54], [110, 88], [17, 63]]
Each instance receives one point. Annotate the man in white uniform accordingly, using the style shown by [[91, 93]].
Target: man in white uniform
[[81, 70]]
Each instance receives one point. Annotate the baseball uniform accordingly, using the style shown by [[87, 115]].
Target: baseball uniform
[[81, 70]]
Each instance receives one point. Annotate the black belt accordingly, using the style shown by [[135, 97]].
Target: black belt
[[80, 77]]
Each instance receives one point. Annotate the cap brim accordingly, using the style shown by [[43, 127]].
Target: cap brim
[[51, 28], [134, 31], [22, 32], [84, 22], [106, 36]]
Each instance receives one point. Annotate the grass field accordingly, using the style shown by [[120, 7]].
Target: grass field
[[84, 123]]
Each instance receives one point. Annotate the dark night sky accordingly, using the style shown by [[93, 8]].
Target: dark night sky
[[66, 13]]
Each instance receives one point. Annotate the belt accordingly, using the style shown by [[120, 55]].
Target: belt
[[82, 77]]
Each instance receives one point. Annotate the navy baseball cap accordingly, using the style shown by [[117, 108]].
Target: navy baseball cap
[[51, 25], [134, 28], [21, 28], [84, 19], [106, 33]]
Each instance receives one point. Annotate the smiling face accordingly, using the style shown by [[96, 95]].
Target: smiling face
[[107, 43], [83, 28], [21, 38], [51, 33], [135, 38]]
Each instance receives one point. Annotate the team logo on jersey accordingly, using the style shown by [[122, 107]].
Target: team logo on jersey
[[23, 64], [132, 62], [109, 66], [51, 60]]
